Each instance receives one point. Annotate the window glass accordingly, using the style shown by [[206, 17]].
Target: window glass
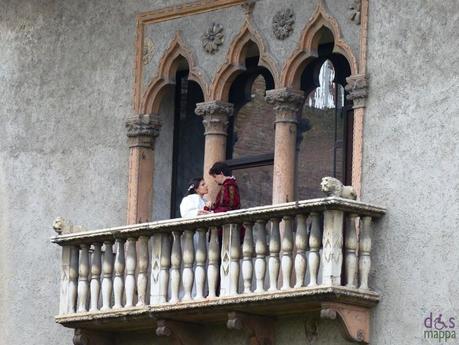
[[321, 147], [252, 140]]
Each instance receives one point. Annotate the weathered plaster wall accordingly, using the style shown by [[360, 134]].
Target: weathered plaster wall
[[410, 164], [66, 90]]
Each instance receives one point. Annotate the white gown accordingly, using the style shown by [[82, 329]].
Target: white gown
[[191, 204]]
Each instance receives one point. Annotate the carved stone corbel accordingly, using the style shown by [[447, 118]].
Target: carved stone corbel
[[180, 333], [86, 337], [355, 320], [357, 88], [260, 330]]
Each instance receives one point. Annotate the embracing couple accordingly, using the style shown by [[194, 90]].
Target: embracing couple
[[195, 203]]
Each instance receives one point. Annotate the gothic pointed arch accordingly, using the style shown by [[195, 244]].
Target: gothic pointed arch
[[235, 61], [168, 66], [308, 47]]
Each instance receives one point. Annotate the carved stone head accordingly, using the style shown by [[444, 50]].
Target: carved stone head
[[331, 186], [58, 225]]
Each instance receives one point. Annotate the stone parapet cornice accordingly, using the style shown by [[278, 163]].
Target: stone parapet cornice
[[215, 116], [357, 88], [142, 130], [287, 103], [218, 219]]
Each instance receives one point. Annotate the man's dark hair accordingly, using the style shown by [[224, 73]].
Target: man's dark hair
[[220, 167]]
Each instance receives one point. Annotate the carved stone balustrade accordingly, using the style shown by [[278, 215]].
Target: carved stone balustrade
[[203, 268]]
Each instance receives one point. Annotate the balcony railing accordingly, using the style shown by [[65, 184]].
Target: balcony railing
[[271, 260]]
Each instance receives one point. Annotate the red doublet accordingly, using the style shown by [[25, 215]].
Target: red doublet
[[227, 197]]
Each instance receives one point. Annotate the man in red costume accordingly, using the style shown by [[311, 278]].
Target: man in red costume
[[228, 196]]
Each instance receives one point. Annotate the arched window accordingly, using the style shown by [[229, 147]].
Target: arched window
[[250, 146], [325, 130], [188, 137]]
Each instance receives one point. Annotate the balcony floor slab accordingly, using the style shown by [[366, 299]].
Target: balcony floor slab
[[296, 301]]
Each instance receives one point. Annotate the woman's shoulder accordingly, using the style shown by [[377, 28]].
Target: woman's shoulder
[[191, 197]]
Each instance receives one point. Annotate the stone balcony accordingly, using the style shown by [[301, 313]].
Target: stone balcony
[[244, 268]]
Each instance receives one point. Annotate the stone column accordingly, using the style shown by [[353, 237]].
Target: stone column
[[357, 93], [141, 131], [215, 116], [287, 105]]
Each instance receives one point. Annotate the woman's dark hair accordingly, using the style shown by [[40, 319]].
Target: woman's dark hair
[[193, 185], [220, 167]]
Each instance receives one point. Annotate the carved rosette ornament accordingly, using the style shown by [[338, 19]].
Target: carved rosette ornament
[[283, 22], [215, 116], [142, 130], [357, 88], [354, 11], [213, 38], [287, 103]]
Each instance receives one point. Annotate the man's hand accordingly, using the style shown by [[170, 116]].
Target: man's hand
[[202, 212]]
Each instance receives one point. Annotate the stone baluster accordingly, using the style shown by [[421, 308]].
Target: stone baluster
[[131, 260], [301, 239], [350, 245], [176, 261], [365, 251], [247, 253], [225, 280], [156, 244], [287, 104], [142, 267], [188, 261], [73, 279], [118, 281], [260, 250], [201, 256], [287, 247], [165, 264], [95, 277], [212, 268], [107, 268], [235, 255], [83, 282], [332, 242], [274, 249], [314, 247]]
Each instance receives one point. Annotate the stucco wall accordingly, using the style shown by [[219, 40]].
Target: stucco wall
[[66, 76], [65, 92], [410, 164]]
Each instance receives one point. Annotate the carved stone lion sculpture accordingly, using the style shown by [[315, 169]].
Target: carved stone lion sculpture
[[62, 226], [334, 187]]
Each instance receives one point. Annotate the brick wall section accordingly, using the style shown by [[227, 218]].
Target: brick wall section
[[255, 135]]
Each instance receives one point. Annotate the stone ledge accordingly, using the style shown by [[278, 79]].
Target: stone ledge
[[282, 303], [238, 216]]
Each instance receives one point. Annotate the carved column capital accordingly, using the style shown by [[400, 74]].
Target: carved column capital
[[287, 103], [357, 88], [142, 130], [215, 116]]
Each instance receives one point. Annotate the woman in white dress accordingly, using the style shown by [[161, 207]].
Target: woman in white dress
[[194, 203]]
